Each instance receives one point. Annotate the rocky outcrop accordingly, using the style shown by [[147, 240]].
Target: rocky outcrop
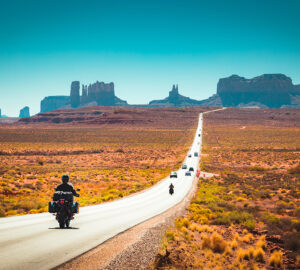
[[74, 95], [102, 93], [96, 94], [174, 100], [297, 89], [53, 103], [213, 101], [272, 90], [24, 112]]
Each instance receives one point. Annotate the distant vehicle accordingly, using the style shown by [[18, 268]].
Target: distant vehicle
[[173, 175], [199, 134], [188, 173], [196, 154], [184, 166], [191, 169], [190, 155], [171, 189]]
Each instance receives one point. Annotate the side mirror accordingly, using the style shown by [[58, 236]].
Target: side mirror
[[54, 189], [78, 189]]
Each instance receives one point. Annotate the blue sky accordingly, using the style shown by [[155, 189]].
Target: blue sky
[[143, 46]]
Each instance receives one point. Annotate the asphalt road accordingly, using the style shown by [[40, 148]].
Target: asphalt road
[[36, 242]]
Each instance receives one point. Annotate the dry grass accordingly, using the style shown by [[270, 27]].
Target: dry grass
[[276, 259]]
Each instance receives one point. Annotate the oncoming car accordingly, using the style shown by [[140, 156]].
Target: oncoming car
[[184, 166], [188, 173], [173, 175]]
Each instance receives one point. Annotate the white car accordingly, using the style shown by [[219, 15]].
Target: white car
[[173, 175]]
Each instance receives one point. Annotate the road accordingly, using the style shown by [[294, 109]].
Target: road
[[36, 242]]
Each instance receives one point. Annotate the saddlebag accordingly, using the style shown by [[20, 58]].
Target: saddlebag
[[75, 207], [52, 207]]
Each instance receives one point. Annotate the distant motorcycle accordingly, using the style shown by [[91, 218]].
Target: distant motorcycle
[[171, 189], [63, 208]]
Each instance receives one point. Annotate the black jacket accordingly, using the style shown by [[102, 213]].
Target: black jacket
[[66, 187]]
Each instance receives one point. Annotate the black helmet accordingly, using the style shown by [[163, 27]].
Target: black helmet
[[65, 178]]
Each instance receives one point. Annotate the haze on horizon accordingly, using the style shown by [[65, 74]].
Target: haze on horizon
[[142, 46]]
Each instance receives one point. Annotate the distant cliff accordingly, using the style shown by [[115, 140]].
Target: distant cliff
[[174, 100], [25, 112], [271, 90], [102, 93], [99, 93], [53, 103]]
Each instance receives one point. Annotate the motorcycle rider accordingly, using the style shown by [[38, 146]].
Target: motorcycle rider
[[67, 187], [171, 189]]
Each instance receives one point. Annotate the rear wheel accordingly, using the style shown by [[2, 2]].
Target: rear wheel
[[61, 218], [67, 223], [61, 224]]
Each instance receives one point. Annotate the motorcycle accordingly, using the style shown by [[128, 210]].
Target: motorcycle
[[63, 207], [171, 189]]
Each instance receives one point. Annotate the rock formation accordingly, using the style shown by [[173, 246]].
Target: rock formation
[[24, 112], [272, 90], [297, 89], [99, 93], [174, 100], [102, 93], [53, 103], [75, 95], [213, 101]]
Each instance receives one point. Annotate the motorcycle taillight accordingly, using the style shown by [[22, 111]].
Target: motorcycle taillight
[[61, 201]]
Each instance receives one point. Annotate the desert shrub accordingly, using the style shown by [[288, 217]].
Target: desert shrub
[[234, 244], [170, 236], [259, 255], [261, 243], [206, 241], [257, 169], [218, 244], [182, 222], [276, 259], [271, 219], [243, 254], [193, 227], [248, 238], [243, 218]]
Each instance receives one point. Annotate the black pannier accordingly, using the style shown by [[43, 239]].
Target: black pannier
[[52, 207], [75, 207], [58, 195]]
